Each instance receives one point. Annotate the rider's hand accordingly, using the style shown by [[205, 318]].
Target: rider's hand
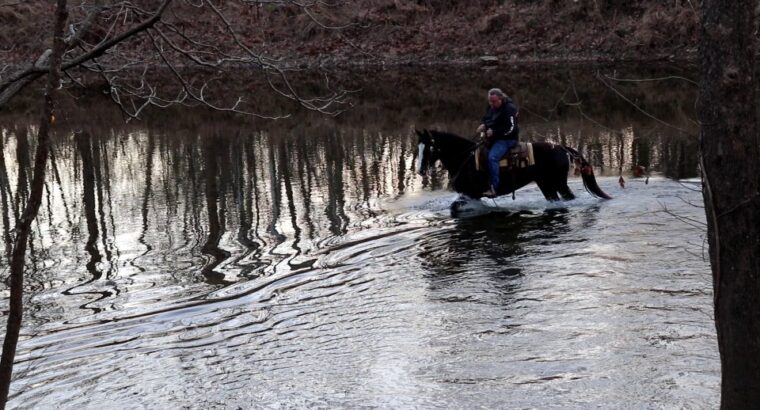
[[489, 133], [481, 128]]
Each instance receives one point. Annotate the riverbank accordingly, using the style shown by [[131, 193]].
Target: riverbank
[[538, 32], [396, 32]]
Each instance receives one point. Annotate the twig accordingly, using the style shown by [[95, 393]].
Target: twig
[[685, 219], [643, 80], [626, 99], [739, 205], [198, 97]]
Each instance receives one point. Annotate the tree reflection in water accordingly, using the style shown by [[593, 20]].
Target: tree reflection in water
[[181, 204], [306, 256]]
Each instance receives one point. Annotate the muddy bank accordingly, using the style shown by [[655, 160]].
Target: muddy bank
[[403, 32]]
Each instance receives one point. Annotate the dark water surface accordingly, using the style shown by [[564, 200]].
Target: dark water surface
[[204, 261]]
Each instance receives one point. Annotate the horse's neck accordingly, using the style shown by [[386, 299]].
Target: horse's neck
[[454, 161], [457, 153]]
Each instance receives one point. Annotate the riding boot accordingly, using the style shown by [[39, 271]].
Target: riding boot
[[490, 193]]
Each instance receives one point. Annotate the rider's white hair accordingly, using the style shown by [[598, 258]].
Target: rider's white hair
[[497, 92]]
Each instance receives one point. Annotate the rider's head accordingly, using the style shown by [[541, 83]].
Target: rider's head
[[496, 97]]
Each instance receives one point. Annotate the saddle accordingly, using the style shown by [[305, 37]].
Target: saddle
[[519, 156]]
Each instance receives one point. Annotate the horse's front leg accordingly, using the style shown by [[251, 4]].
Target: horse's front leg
[[465, 206]]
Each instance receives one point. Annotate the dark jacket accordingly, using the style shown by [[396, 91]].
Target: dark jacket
[[503, 121]]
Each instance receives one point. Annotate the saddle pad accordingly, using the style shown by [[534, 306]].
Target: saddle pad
[[523, 152]]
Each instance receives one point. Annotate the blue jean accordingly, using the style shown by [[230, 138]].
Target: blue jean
[[498, 149]]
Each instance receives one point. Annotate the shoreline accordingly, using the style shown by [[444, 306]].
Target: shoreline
[[341, 61]]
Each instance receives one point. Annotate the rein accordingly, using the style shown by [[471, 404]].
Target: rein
[[461, 167], [466, 160]]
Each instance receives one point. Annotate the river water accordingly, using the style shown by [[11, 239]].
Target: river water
[[193, 260]]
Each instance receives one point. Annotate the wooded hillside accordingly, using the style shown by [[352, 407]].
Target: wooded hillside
[[405, 31]]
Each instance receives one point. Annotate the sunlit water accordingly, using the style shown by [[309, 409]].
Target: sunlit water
[[209, 269]]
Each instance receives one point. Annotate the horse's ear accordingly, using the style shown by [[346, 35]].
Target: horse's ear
[[424, 135]]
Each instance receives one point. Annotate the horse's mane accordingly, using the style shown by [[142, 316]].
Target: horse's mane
[[453, 139]]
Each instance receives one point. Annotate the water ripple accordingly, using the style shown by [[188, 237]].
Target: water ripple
[[384, 302]]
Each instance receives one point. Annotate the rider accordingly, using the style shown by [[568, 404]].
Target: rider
[[500, 126]]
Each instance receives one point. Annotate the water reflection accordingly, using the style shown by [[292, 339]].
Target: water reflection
[[485, 252], [5, 198], [204, 250], [142, 207], [215, 180], [199, 201]]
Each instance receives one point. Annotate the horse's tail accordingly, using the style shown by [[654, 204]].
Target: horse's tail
[[587, 174]]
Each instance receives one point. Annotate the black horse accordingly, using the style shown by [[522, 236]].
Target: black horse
[[552, 164]]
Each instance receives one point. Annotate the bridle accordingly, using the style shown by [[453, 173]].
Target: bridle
[[427, 154]]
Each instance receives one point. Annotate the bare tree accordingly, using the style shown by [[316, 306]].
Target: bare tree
[[143, 50], [24, 225], [730, 145]]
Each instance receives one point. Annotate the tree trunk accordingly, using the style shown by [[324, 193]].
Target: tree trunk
[[24, 225], [730, 148]]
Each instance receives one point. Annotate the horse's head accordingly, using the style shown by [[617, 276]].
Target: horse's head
[[427, 153]]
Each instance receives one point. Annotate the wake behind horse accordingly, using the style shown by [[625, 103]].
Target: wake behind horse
[[552, 164]]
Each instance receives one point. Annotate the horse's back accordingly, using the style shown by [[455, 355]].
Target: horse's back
[[551, 154]]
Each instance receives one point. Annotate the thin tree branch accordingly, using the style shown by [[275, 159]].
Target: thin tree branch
[[16, 82], [198, 97], [626, 99], [685, 219], [104, 46], [644, 80]]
